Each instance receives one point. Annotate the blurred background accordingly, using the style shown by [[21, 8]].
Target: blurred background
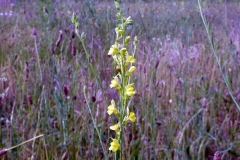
[[183, 108]]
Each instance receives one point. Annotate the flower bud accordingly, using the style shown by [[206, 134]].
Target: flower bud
[[123, 51], [120, 32], [74, 18], [131, 70], [117, 5], [129, 21], [127, 39], [118, 68], [135, 43], [118, 16]]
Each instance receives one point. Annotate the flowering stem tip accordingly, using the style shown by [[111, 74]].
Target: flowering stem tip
[[124, 61]]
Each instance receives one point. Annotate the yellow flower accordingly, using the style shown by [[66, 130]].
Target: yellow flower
[[131, 70], [115, 83], [129, 90], [114, 145], [115, 127], [132, 117], [113, 50], [130, 59], [129, 117], [112, 108]]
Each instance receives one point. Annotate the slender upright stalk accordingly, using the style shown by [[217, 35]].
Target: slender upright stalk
[[37, 54], [94, 123], [210, 38], [82, 38], [121, 82]]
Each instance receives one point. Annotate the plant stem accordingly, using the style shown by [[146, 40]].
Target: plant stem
[[92, 68], [25, 142], [94, 123], [226, 79], [37, 54]]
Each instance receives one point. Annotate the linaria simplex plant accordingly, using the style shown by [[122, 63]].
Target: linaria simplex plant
[[121, 82]]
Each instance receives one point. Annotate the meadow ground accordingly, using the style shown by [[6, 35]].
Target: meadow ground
[[183, 108]]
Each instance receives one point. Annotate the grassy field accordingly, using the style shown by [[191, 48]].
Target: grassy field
[[183, 108]]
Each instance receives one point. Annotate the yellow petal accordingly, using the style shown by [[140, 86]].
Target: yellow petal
[[114, 82], [132, 117], [115, 127], [129, 91], [130, 59], [112, 107], [110, 110], [114, 145], [113, 50]]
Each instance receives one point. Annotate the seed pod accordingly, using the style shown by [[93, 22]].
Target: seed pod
[[118, 69]]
